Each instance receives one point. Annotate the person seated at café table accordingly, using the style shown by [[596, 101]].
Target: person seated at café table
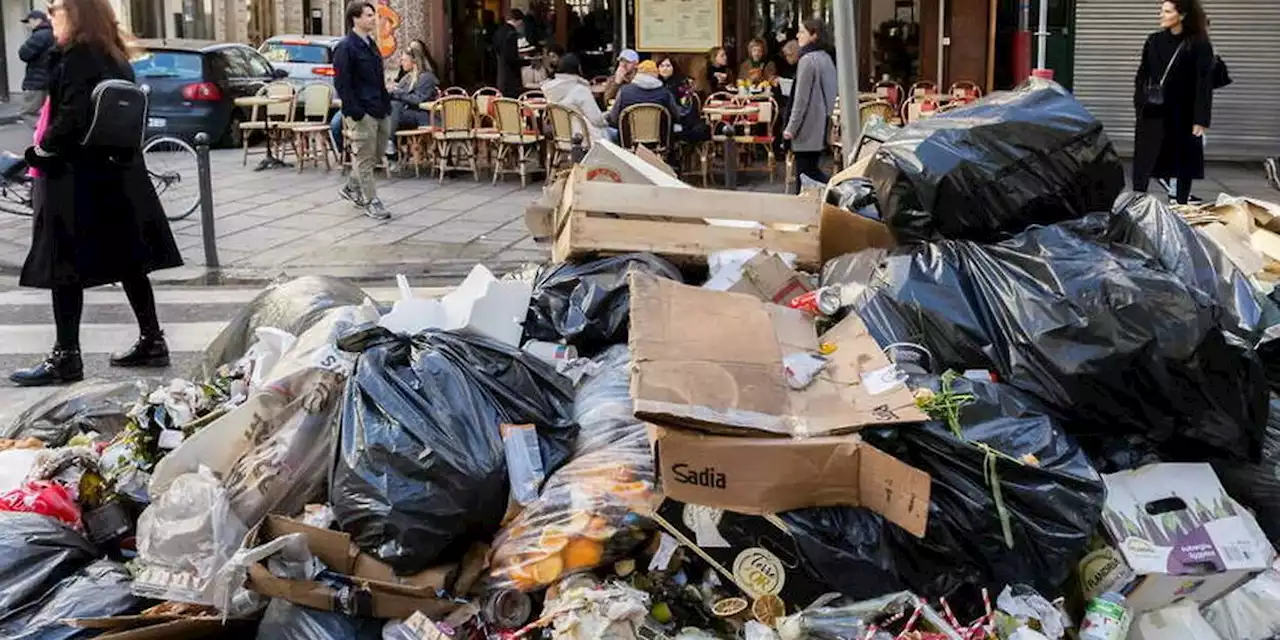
[[645, 88], [416, 86], [689, 125], [622, 75], [719, 75], [757, 69], [569, 89]]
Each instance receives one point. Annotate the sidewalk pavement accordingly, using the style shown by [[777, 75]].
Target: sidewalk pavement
[[11, 111], [280, 222]]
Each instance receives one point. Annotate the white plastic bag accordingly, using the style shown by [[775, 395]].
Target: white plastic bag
[[1251, 612], [184, 538]]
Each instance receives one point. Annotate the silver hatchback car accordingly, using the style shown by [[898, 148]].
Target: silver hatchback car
[[307, 58]]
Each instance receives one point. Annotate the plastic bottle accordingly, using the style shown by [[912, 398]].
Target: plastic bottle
[[1106, 618]]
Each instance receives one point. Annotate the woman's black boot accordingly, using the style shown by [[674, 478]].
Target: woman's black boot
[[62, 366], [148, 351]]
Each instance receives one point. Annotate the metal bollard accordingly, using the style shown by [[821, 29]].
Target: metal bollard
[[730, 157], [206, 201], [579, 149]]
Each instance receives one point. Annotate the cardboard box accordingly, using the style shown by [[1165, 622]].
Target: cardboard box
[[608, 162], [767, 277], [757, 553], [1181, 534], [712, 361], [161, 627], [774, 475], [374, 590], [680, 223], [843, 232]]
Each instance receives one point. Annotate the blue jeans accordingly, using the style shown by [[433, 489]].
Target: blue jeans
[[335, 132]]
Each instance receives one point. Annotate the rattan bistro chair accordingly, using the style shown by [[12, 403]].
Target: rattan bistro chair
[[516, 144], [311, 134], [456, 136], [645, 124], [565, 123]]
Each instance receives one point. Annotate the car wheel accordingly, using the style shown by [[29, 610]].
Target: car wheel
[[234, 135]]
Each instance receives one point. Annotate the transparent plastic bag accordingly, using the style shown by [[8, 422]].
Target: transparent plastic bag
[[590, 511], [184, 538], [273, 451], [99, 590], [602, 407], [93, 405], [292, 306], [1251, 612]]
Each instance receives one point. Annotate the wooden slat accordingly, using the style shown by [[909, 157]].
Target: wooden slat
[[648, 200], [592, 234]]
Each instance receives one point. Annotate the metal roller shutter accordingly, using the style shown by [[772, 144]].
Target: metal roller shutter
[[1246, 115]]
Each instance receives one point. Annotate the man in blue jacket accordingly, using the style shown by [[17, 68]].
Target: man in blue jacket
[[366, 104], [36, 52]]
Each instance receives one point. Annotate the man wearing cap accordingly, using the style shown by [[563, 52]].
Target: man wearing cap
[[645, 88], [36, 52], [627, 61]]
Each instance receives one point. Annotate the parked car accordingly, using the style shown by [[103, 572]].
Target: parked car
[[307, 58], [192, 84]]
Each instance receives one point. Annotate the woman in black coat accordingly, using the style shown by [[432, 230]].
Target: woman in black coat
[[1173, 96], [97, 217]]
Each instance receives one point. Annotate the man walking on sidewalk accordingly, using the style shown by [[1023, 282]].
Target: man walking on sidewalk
[[366, 105], [36, 52]]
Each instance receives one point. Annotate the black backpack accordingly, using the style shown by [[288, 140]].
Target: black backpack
[[119, 116]]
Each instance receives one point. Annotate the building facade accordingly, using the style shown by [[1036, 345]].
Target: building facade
[[1246, 121]]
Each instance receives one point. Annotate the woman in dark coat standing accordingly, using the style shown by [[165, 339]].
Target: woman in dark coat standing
[[97, 218], [1173, 95]]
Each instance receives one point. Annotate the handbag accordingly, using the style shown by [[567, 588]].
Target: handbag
[[1221, 76], [1155, 92]]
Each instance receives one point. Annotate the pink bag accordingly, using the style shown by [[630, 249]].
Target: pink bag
[[42, 125]]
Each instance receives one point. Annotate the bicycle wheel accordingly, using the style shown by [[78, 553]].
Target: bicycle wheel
[[15, 197], [172, 166]]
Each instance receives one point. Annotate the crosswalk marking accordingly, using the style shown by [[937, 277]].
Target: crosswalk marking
[[27, 331]]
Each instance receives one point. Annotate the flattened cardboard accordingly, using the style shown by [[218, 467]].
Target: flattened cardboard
[[768, 278], [712, 361], [163, 627], [773, 475], [842, 232], [388, 595]]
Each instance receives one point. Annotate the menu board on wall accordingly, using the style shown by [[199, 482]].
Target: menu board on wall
[[678, 25]]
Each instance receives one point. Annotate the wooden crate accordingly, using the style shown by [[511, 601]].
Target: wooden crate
[[603, 218]]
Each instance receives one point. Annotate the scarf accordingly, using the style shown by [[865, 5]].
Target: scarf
[[809, 48], [42, 125]]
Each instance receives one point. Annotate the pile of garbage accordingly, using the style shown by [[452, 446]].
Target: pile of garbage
[[1039, 410]]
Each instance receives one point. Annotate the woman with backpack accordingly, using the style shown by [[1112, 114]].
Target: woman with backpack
[[1173, 98], [97, 218]]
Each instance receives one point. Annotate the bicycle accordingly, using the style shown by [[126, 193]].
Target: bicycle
[[171, 165]]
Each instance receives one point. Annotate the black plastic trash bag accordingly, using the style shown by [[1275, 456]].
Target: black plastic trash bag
[[1257, 486], [99, 590], [1096, 330], [588, 305], [1053, 504], [284, 620], [291, 306], [1047, 486], [1033, 155], [420, 471], [1148, 224], [92, 405], [857, 195], [36, 552]]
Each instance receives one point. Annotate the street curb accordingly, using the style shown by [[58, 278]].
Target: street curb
[[9, 119]]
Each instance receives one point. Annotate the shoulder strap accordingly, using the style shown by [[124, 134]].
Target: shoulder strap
[[1171, 61]]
